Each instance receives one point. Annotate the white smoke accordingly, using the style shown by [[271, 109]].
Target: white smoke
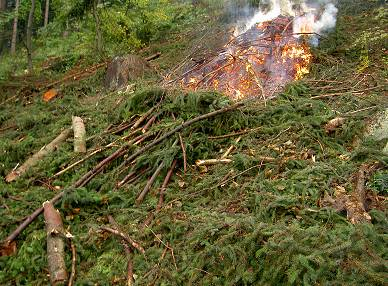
[[312, 17]]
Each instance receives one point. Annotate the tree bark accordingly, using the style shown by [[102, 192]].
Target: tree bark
[[15, 28], [98, 26], [55, 244], [3, 5], [46, 13], [29, 36]]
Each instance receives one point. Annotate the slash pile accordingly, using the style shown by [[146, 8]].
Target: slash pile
[[257, 63]]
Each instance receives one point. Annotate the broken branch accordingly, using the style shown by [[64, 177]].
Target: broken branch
[[125, 237], [32, 161], [149, 184]]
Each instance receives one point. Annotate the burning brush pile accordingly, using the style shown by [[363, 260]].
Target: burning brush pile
[[262, 59]]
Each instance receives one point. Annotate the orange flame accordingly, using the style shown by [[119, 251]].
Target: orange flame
[[255, 64]]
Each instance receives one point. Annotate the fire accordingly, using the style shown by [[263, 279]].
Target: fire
[[257, 63]]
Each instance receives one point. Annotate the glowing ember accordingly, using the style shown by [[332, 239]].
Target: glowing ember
[[257, 63]]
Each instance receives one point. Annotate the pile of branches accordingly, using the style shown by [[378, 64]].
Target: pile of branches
[[158, 124]]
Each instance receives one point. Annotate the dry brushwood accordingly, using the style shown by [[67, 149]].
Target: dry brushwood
[[120, 152], [79, 135], [55, 245], [32, 161]]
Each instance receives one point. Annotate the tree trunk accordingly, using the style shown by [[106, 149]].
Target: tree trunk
[[15, 28], [98, 26], [29, 35], [46, 13], [3, 5]]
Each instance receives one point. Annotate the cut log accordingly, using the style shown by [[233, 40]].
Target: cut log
[[79, 135], [32, 161], [55, 245]]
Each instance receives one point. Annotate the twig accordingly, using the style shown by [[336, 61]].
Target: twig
[[125, 237], [153, 57], [73, 263], [166, 245], [341, 93], [230, 149], [212, 162], [234, 134], [183, 153], [149, 184]]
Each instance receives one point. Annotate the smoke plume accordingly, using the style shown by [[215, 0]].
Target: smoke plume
[[312, 17]]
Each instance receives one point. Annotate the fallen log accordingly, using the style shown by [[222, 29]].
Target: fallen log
[[79, 135], [55, 245], [120, 152], [32, 161]]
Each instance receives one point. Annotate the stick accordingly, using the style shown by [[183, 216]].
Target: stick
[[230, 149], [130, 280], [79, 135], [153, 57], [143, 117], [212, 162], [73, 263], [183, 153], [164, 186], [149, 184], [118, 153], [149, 123], [55, 244], [125, 237], [32, 161]]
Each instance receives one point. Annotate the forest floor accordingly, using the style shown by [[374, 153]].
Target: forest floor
[[268, 217]]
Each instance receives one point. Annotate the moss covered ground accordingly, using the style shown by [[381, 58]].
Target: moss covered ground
[[250, 222]]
